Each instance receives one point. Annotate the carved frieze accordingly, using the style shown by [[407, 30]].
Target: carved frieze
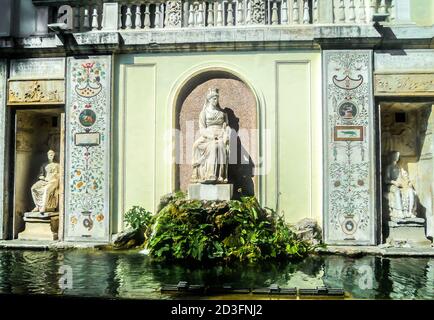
[[28, 92], [404, 84]]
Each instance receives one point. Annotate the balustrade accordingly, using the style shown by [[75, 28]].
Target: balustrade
[[146, 14]]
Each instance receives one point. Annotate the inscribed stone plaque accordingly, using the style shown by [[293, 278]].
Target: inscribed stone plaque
[[87, 211], [349, 179], [404, 84], [52, 68]]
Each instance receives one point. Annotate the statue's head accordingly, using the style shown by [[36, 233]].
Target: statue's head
[[394, 156], [51, 154], [212, 95]]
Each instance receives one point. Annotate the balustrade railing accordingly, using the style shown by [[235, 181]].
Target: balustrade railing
[[163, 14]]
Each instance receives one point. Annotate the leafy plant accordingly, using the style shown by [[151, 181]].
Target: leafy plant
[[221, 230], [138, 218]]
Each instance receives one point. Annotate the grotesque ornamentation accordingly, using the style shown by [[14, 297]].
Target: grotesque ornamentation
[[258, 12], [399, 190], [173, 14], [211, 150], [45, 192]]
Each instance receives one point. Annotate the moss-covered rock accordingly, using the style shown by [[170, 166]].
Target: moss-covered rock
[[220, 231]]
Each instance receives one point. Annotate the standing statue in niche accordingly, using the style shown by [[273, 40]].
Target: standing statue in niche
[[399, 190], [45, 192], [211, 149]]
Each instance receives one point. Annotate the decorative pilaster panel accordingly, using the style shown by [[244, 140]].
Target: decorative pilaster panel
[[3, 76], [349, 210], [87, 174]]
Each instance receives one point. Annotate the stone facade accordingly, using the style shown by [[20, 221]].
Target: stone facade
[[128, 64]]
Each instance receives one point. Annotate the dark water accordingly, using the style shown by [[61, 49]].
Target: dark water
[[132, 275]]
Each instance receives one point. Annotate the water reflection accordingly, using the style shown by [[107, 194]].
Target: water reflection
[[131, 275]]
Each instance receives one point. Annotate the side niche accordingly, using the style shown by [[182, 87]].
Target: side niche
[[407, 172], [239, 102]]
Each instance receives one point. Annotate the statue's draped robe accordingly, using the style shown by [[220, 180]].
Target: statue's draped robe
[[45, 192], [402, 199], [210, 151]]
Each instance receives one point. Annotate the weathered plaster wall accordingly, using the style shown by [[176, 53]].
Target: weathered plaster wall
[[287, 88]]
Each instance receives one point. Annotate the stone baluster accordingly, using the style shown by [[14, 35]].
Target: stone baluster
[[315, 12], [284, 12], [86, 17], [306, 14], [382, 9], [352, 12], [147, 18], [274, 14], [191, 16], [157, 20], [120, 26], [220, 14], [162, 14], [240, 13], [76, 19], [95, 24], [230, 16], [362, 11], [128, 20], [138, 19], [295, 12], [372, 9], [249, 12], [392, 11], [341, 12], [200, 21], [210, 19]]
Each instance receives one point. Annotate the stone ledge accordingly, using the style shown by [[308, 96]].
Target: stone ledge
[[47, 245], [425, 251]]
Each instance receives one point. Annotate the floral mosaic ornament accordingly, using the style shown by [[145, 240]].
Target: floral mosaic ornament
[[349, 216], [88, 112]]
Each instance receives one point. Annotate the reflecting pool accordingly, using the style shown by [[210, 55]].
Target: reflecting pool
[[131, 275]]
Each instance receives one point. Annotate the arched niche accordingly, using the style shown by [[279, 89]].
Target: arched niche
[[240, 103]]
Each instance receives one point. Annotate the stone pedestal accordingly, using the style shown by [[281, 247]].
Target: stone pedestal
[[40, 226], [409, 230], [199, 191]]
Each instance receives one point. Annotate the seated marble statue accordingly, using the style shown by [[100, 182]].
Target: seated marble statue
[[45, 192], [399, 190], [211, 149]]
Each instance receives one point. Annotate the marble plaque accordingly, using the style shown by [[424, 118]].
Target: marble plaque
[[110, 21], [30, 92], [52, 68], [404, 84], [349, 177], [87, 179]]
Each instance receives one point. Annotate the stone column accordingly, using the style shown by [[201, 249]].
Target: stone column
[[87, 155], [3, 203], [349, 146]]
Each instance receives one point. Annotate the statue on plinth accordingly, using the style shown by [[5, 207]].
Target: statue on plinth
[[45, 192], [211, 149], [399, 190]]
